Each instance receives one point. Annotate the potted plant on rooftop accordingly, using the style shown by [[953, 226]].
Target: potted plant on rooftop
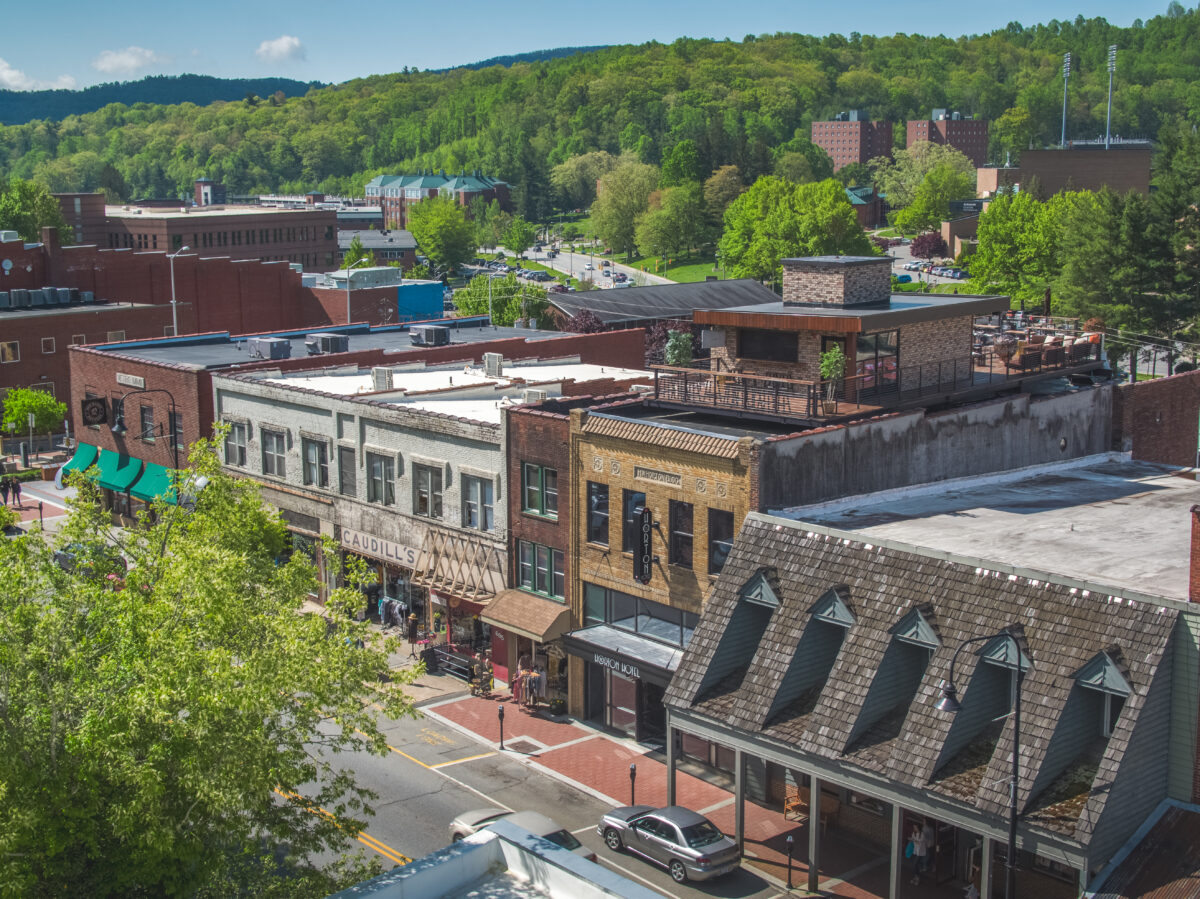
[[833, 369]]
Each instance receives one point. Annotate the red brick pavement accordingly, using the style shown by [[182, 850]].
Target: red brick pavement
[[479, 716]]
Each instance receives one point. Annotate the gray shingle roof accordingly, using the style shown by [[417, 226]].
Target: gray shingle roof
[[1062, 628], [663, 300]]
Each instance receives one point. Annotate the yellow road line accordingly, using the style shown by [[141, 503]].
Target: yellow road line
[[362, 836], [469, 758], [402, 752]]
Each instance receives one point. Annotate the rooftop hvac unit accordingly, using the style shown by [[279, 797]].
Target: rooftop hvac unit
[[269, 348], [321, 343], [37, 297], [381, 378], [493, 364], [534, 395], [430, 335], [3, 299], [74, 294], [88, 296], [19, 298], [64, 296]]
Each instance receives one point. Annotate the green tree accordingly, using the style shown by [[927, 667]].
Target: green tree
[[624, 193], [776, 219], [678, 350], [26, 207], [171, 714], [519, 235], [722, 188], [575, 179], [931, 203], [48, 413], [355, 253], [899, 177], [801, 161], [855, 174], [507, 298], [1013, 132], [681, 165], [442, 231], [674, 223]]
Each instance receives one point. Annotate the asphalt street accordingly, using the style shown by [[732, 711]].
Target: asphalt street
[[433, 773]]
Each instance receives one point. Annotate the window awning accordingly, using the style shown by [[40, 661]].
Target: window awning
[[627, 654], [535, 617], [85, 455], [155, 481], [460, 565], [118, 472]]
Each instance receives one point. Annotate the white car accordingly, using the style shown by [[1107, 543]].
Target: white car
[[536, 823], [588, 266]]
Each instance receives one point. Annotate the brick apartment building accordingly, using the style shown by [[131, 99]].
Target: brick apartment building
[[849, 137], [85, 217], [106, 296], [396, 193], [967, 135], [1079, 166]]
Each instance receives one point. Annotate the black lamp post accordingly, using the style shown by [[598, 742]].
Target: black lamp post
[[632, 778], [949, 703], [790, 841], [500, 715], [119, 428]]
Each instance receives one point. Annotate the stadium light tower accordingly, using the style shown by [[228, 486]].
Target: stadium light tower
[[1066, 78], [1112, 67]]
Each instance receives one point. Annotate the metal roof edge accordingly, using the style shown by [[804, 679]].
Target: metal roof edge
[[990, 565]]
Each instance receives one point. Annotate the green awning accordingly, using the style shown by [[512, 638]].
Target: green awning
[[85, 455], [155, 481], [118, 472]]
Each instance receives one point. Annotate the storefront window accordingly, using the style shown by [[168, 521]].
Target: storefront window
[[640, 616]]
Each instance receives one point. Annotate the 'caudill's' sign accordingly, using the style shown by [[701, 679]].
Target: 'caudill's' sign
[[358, 542], [620, 667]]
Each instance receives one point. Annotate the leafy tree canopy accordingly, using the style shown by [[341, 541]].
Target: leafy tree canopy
[[48, 413], [26, 207], [442, 231], [507, 298], [900, 177], [575, 179], [776, 219], [355, 254], [681, 165], [164, 693], [931, 203], [519, 235], [721, 189], [928, 245], [624, 192], [674, 222]]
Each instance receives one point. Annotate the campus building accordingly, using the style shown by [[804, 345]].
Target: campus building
[[1078, 166], [851, 138], [397, 194], [953, 129]]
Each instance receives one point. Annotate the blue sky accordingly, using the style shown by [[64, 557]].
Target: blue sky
[[74, 43]]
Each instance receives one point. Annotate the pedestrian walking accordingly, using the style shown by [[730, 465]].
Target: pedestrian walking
[[16, 493], [920, 849], [4, 490]]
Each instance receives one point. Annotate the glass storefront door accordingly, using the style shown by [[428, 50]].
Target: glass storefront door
[[622, 704]]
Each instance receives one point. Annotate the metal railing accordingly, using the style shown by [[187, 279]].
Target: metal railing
[[884, 386]]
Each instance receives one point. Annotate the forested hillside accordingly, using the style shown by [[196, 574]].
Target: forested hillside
[[17, 107], [736, 101]]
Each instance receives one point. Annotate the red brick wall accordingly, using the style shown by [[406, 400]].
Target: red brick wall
[[1194, 574], [1157, 420], [541, 438], [1056, 170], [95, 372]]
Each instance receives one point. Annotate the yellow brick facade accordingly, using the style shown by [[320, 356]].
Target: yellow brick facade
[[663, 474]]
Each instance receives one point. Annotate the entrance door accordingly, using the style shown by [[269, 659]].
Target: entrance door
[[622, 704], [595, 707], [654, 714]]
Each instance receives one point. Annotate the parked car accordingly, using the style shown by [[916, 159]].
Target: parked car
[[558, 288], [686, 843], [912, 266], [588, 266], [536, 823], [904, 279], [621, 276], [964, 274]]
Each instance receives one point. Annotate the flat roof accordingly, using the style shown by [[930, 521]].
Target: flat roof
[[463, 392], [223, 351], [726, 426], [171, 212], [72, 309], [1103, 520], [901, 309], [661, 300]]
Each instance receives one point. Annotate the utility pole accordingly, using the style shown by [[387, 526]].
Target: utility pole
[[1066, 79], [1112, 67]]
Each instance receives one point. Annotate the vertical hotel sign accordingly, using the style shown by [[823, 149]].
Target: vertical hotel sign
[[643, 556]]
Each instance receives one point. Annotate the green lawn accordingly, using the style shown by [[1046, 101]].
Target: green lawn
[[685, 270]]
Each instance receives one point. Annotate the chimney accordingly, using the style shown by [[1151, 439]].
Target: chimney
[[837, 281], [1194, 571]]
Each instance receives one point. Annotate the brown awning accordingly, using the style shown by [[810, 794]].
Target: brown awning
[[530, 616]]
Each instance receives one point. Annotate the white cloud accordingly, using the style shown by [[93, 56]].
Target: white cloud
[[127, 61], [16, 80], [282, 49]]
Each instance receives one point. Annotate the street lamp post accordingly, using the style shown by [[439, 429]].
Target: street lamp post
[[174, 305], [1112, 67], [353, 265], [1066, 79], [119, 428], [949, 703]]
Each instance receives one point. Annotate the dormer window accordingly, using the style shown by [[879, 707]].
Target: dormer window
[[832, 609], [1104, 675]]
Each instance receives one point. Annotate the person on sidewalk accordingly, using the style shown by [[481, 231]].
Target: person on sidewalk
[[16, 493], [920, 846], [4, 490]]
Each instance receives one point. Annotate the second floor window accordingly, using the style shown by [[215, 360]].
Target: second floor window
[[681, 534], [146, 423], [427, 491], [477, 509], [347, 480], [274, 453], [597, 513], [539, 490], [541, 570], [720, 539], [235, 445], [316, 462], [177, 429], [381, 474]]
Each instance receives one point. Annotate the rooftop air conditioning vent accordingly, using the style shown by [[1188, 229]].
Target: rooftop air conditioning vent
[[324, 342], [381, 378], [493, 364], [534, 395], [269, 348]]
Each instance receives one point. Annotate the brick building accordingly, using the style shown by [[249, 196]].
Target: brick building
[[967, 135], [1122, 168], [307, 236], [386, 245], [397, 193], [85, 217], [851, 138]]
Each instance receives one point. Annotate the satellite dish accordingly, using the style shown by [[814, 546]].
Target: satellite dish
[[7, 265]]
